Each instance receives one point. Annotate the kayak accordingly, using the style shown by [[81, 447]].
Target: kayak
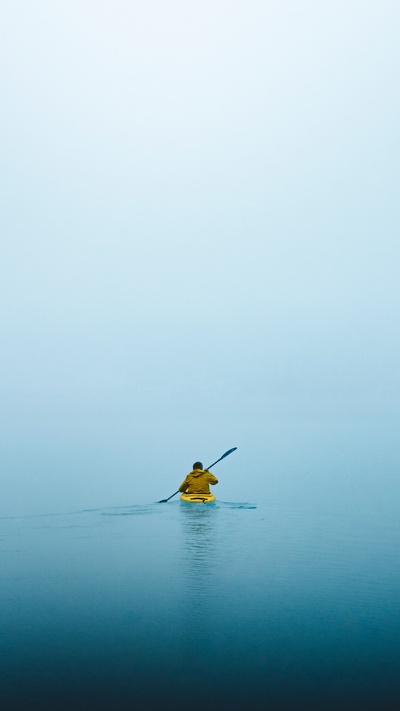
[[198, 498]]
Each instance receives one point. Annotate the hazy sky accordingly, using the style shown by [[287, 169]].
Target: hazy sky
[[200, 230]]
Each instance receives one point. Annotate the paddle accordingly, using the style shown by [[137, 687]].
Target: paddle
[[164, 501]]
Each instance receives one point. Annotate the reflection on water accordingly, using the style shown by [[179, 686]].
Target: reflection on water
[[198, 544]]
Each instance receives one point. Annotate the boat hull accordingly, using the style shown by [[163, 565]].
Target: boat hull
[[198, 498]]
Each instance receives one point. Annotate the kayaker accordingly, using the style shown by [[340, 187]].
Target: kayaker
[[198, 481]]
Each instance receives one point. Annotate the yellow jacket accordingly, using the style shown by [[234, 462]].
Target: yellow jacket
[[197, 482]]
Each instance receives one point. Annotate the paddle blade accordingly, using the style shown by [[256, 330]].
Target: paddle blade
[[223, 456], [164, 501], [229, 452]]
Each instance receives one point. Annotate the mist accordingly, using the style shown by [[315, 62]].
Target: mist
[[199, 249]]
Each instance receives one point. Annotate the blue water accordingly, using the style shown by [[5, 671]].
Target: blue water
[[232, 605]]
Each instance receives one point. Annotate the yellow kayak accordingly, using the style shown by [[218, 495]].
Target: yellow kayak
[[198, 498]]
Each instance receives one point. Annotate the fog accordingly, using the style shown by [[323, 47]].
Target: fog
[[200, 248]]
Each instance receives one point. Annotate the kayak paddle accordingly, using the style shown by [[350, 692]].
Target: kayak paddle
[[164, 501]]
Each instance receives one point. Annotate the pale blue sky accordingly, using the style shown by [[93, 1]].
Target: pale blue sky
[[199, 221]]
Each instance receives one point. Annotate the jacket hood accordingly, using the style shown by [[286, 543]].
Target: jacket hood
[[197, 472]]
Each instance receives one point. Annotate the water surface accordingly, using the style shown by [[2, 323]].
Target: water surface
[[232, 605]]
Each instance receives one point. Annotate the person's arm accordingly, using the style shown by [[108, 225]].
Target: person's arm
[[183, 486], [211, 478]]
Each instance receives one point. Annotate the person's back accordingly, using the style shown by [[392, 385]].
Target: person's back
[[198, 481]]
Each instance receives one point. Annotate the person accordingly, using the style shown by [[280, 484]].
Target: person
[[198, 481]]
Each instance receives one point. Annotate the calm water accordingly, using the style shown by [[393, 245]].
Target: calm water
[[236, 605]]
